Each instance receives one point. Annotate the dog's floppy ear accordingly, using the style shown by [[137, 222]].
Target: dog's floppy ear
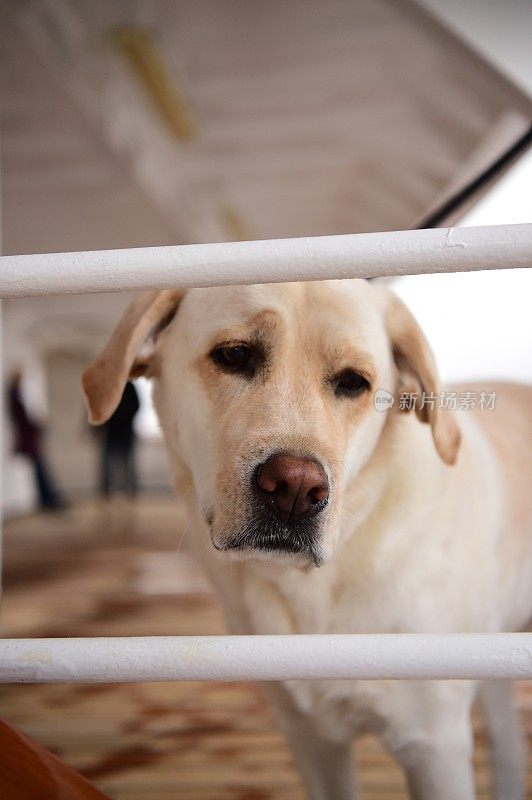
[[103, 382], [418, 377]]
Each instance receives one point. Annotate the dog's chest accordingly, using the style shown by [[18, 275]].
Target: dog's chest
[[299, 605]]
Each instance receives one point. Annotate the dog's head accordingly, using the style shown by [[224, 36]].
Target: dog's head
[[266, 395]]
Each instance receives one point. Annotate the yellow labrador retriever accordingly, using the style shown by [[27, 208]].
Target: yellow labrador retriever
[[315, 511]]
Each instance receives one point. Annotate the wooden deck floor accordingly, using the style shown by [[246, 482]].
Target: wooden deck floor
[[113, 570]]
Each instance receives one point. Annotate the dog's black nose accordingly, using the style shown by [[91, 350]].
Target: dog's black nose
[[292, 487]]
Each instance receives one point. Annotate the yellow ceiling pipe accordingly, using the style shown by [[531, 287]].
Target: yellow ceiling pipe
[[138, 46], [234, 224]]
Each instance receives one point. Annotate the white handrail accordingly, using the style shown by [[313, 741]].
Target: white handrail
[[228, 658], [365, 255]]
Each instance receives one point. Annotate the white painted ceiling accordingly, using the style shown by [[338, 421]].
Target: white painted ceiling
[[313, 118]]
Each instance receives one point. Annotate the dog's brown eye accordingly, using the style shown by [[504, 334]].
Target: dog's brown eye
[[350, 383], [239, 358]]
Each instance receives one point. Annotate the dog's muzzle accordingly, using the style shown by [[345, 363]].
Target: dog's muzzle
[[288, 494]]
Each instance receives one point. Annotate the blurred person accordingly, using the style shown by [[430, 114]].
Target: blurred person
[[118, 441], [28, 442]]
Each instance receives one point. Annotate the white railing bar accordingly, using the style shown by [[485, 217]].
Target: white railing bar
[[364, 255], [242, 658]]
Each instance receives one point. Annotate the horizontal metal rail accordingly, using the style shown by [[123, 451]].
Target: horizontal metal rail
[[243, 658], [365, 255]]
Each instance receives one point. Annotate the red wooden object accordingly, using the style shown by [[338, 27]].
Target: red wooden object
[[29, 772]]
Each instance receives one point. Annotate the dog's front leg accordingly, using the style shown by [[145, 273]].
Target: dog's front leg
[[508, 747], [439, 770], [433, 740], [327, 768]]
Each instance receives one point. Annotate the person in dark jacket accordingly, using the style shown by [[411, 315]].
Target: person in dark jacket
[[28, 434], [118, 445]]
